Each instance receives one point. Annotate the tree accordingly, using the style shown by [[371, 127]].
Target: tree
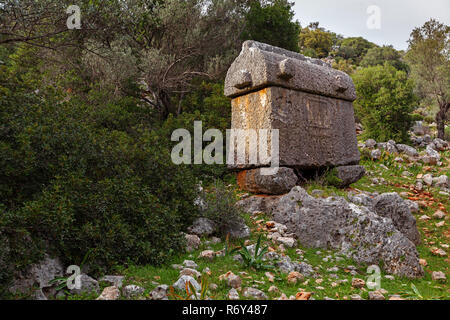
[[354, 48], [428, 56], [272, 23], [379, 55], [316, 39], [151, 49], [385, 102]]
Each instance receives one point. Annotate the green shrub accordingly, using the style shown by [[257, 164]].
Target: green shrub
[[385, 102], [220, 207], [77, 176]]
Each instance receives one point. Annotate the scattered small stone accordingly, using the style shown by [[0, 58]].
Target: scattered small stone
[[438, 252], [356, 297], [395, 297], [439, 214], [389, 277], [192, 242], [438, 276], [288, 242], [190, 264], [233, 294], [376, 295], [428, 179], [358, 283], [294, 276], [254, 293], [132, 290], [160, 292], [177, 266], [213, 286], [113, 280], [181, 283], [424, 217], [88, 285], [190, 272], [273, 289], [440, 224], [207, 254], [110, 293]]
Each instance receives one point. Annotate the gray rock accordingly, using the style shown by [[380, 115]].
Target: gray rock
[[431, 152], [410, 151], [192, 242], [443, 181], [254, 293], [110, 293], [181, 283], [370, 143], [438, 276], [87, 285], [428, 179], [375, 154], [279, 183], [190, 264], [413, 206], [376, 295], [39, 275], [357, 232], [233, 294], [361, 199], [388, 146], [391, 205], [349, 174], [356, 297], [39, 295], [202, 227], [113, 280], [132, 290], [238, 230], [190, 272], [160, 292]]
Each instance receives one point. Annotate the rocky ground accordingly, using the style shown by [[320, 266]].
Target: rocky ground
[[399, 211]]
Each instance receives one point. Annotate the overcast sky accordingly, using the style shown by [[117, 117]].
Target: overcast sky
[[349, 17]]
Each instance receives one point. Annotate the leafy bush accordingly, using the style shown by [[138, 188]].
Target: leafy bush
[[385, 102], [220, 207], [78, 176]]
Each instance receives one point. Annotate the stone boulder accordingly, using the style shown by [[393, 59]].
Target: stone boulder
[[279, 183], [349, 174], [408, 150], [202, 227], [391, 205], [355, 231], [39, 274]]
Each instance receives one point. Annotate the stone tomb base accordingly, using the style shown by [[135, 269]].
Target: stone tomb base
[[286, 178]]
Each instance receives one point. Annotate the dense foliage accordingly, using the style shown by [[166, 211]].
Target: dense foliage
[[385, 102], [272, 23]]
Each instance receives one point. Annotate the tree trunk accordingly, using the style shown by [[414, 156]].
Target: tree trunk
[[440, 119]]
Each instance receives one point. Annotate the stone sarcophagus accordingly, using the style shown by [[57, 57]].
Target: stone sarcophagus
[[309, 103]]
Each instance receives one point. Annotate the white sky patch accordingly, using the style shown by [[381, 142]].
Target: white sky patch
[[349, 17]]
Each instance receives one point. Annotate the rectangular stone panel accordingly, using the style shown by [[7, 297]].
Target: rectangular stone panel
[[314, 131]]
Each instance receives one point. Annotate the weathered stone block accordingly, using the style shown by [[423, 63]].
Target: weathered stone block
[[306, 100], [281, 182]]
